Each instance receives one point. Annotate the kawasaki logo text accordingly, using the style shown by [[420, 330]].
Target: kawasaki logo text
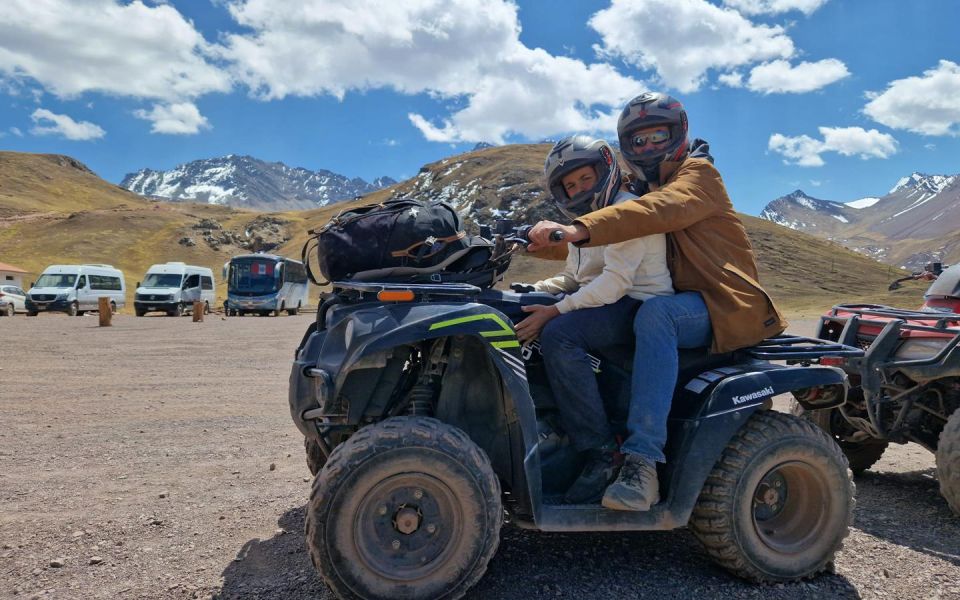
[[767, 391]]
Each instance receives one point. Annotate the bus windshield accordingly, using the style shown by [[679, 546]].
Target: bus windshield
[[56, 280], [254, 276], [162, 280]]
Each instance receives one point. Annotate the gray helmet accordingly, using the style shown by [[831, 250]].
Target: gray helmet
[[570, 154], [650, 109]]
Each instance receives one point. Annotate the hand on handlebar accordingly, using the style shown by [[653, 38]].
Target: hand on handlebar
[[549, 233]]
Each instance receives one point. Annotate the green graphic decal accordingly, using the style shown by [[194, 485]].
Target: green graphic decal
[[504, 330]]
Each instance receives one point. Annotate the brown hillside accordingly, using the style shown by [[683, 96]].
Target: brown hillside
[[38, 183], [97, 222]]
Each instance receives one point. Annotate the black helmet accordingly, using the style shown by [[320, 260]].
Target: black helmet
[[569, 154], [651, 109]]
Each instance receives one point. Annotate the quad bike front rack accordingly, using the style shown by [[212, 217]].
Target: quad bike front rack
[[886, 330]]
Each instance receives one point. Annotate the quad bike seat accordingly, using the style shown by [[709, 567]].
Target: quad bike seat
[[693, 361]]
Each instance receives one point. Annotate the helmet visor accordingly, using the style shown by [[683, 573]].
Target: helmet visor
[[642, 141]]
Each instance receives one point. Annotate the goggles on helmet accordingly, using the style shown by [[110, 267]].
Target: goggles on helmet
[[658, 136]]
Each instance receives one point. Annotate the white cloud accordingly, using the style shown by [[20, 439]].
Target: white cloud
[[683, 39], [805, 151], [734, 79], [929, 104], [802, 150], [16, 131], [48, 123], [182, 118], [103, 46], [465, 52], [780, 77], [774, 7]]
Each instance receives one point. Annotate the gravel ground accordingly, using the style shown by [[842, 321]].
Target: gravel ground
[[156, 459]]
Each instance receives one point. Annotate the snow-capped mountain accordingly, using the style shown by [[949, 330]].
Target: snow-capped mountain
[[916, 218], [799, 211], [248, 182]]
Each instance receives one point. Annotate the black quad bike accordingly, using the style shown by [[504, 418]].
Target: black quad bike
[[906, 386], [425, 420]]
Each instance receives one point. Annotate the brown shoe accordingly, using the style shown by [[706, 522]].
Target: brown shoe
[[636, 488]]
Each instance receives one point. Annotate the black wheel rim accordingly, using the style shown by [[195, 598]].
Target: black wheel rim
[[407, 526], [791, 505]]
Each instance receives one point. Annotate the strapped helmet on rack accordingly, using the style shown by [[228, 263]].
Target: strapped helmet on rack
[[572, 153], [652, 109]]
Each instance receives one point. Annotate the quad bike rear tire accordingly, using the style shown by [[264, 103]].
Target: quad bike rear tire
[[948, 462], [778, 503], [406, 508], [315, 457], [860, 455]]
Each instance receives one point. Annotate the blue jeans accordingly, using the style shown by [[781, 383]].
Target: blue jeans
[[662, 325], [565, 342]]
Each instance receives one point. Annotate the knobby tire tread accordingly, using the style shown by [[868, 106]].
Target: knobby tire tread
[[392, 433], [711, 521]]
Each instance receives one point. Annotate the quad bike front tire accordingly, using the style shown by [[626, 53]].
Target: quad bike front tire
[[778, 503], [315, 457], [948, 462], [406, 508], [860, 455]]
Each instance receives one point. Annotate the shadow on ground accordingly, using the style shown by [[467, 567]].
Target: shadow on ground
[[533, 566], [906, 509]]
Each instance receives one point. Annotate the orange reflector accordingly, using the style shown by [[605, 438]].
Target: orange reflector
[[833, 361], [395, 295]]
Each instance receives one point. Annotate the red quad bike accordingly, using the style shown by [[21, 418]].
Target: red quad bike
[[906, 387]]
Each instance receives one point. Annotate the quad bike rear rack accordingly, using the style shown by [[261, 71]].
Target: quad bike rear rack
[[423, 290], [797, 348]]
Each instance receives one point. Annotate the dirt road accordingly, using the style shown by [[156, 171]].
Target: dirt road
[[156, 459]]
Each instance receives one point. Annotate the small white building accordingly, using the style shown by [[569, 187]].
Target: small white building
[[11, 275]]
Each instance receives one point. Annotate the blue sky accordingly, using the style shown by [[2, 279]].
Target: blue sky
[[840, 98]]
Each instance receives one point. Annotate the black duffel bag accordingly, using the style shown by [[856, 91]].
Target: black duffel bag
[[390, 240]]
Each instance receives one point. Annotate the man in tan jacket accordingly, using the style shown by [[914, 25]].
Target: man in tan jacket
[[718, 302]]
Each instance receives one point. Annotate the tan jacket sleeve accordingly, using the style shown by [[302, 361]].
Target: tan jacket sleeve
[[695, 193]]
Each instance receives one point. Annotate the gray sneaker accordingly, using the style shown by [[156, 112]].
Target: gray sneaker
[[636, 488]]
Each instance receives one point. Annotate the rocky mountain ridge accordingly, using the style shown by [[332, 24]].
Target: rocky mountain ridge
[[248, 182], [912, 223]]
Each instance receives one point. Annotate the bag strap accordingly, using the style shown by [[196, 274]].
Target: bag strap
[[434, 243], [305, 258]]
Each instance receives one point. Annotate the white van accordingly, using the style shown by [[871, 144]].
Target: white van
[[173, 287], [75, 289]]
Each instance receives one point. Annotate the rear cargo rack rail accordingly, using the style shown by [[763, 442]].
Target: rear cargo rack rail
[[420, 289], [797, 347]]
